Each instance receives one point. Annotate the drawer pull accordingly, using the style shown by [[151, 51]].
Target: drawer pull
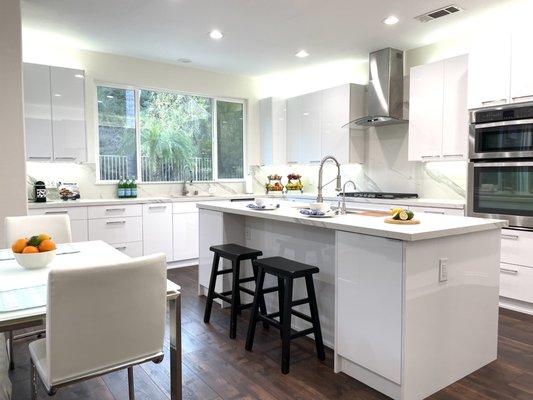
[[115, 209], [493, 101], [434, 212], [65, 158], [56, 212], [39, 158], [115, 222], [120, 247], [453, 155], [509, 271], [156, 207], [528, 96], [510, 237]]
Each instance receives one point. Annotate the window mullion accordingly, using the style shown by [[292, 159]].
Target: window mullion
[[214, 146], [138, 134]]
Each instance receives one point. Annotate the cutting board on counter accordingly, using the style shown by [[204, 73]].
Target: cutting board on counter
[[400, 222]]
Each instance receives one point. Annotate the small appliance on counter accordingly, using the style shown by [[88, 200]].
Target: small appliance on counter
[[69, 191], [39, 191]]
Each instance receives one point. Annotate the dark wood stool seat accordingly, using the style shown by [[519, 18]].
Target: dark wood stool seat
[[235, 253], [286, 271]]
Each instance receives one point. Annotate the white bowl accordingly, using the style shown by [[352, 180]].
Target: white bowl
[[35, 260], [322, 207]]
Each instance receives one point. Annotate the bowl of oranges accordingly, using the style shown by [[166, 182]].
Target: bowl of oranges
[[35, 252]]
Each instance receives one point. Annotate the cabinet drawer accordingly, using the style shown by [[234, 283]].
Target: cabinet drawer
[[74, 213], [441, 211], [116, 230], [79, 230], [516, 282], [132, 249], [113, 211], [185, 207], [517, 247]]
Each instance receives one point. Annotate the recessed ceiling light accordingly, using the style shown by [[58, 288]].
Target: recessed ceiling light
[[57, 94], [392, 20], [79, 76], [302, 54], [216, 34]]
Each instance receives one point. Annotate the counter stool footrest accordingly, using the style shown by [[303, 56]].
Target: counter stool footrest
[[246, 290], [270, 290], [225, 271], [274, 314], [269, 320], [305, 332], [300, 302], [222, 297], [249, 279], [302, 316]]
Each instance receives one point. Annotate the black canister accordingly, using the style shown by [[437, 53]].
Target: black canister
[[39, 189]]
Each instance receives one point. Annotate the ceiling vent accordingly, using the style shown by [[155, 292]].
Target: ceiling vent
[[441, 12]]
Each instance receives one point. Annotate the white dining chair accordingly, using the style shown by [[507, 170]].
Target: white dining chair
[[57, 226], [99, 320]]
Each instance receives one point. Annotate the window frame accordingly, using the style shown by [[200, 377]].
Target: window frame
[[214, 134]]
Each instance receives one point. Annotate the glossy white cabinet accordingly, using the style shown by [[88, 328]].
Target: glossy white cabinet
[[37, 112], [68, 114], [438, 112], [116, 230], [293, 133], [273, 130], [490, 71], [521, 66], [157, 229], [310, 124], [185, 231], [132, 249], [54, 102], [78, 219]]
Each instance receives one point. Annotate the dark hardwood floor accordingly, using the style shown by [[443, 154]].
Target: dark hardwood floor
[[215, 367]]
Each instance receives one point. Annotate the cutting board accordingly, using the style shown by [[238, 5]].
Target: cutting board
[[374, 213], [400, 222]]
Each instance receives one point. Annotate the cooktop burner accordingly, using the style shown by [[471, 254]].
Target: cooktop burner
[[381, 195]]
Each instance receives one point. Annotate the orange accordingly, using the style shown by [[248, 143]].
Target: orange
[[19, 245], [47, 245], [30, 249]]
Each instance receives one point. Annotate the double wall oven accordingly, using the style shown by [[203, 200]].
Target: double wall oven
[[500, 172]]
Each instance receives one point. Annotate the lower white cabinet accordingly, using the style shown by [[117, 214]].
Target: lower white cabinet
[[132, 249], [157, 229], [185, 231], [516, 282], [78, 219], [116, 230]]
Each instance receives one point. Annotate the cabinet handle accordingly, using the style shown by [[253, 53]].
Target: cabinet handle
[[314, 161], [529, 96], [65, 158], [120, 247], [453, 155], [510, 237], [115, 209], [434, 212], [509, 271], [56, 212], [39, 158], [430, 156], [494, 101], [115, 222], [156, 207], [292, 162]]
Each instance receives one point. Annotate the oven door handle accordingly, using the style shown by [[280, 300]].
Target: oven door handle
[[504, 123], [502, 164]]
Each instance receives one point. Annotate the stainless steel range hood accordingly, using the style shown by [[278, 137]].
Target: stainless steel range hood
[[384, 100]]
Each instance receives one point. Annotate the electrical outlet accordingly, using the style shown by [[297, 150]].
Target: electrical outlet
[[443, 269], [247, 233]]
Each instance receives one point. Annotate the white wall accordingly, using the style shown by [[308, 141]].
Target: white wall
[[12, 150]]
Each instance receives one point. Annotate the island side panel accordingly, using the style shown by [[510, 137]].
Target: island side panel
[[451, 327], [5, 382]]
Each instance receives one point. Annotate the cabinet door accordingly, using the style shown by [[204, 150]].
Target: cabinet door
[[521, 66], [157, 229], [272, 119], [186, 244], [455, 109], [489, 67], [68, 114], [425, 112], [310, 125], [293, 130], [37, 112], [79, 230], [335, 139]]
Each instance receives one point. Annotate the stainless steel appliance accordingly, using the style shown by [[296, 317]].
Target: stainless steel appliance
[[500, 174]]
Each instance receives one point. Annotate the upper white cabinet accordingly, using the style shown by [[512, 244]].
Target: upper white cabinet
[[521, 66], [438, 114], [315, 125], [273, 127], [54, 102], [68, 114], [37, 112]]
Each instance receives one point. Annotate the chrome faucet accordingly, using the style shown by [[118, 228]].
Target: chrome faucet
[[343, 207], [184, 191], [320, 198]]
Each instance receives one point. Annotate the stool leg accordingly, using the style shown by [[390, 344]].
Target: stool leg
[[211, 290], [255, 308], [235, 303], [238, 294], [286, 327], [262, 304], [280, 305], [314, 316]]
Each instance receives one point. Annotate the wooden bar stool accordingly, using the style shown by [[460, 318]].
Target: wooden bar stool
[[235, 253], [286, 271]]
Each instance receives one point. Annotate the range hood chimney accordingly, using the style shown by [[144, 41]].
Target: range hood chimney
[[384, 100]]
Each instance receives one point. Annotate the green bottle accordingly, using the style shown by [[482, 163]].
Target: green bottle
[[127, 188], [120, 188], [133, 188]]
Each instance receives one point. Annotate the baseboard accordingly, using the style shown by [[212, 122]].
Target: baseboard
[[181, 264], [516, 305]]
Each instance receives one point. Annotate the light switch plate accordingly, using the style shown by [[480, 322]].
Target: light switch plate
[[443, 269]]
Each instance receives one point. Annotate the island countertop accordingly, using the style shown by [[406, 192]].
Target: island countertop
[[430, 227]]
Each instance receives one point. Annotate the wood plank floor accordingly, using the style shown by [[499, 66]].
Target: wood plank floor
[[215, 367]]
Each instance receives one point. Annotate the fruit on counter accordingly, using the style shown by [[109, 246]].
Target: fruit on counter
[[274, 187], [36, 244], [294, 185], [401, 214], [274, 177], [294, 176]]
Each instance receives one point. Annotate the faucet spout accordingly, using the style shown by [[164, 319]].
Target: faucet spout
[[343, 208], [320, 198]]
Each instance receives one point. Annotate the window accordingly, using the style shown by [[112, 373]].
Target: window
[[161, 136]]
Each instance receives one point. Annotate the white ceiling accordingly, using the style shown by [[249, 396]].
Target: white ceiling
[[261, 36]]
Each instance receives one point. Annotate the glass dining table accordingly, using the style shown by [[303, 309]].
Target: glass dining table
[[23, 302]]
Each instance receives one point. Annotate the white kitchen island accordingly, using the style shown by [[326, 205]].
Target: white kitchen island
[[408, 309]]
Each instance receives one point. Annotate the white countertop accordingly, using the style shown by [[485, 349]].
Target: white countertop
[[431, 226]]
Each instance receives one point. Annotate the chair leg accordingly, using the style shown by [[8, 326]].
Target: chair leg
[[255, 308], [211, 290], [262, 303], [33, 381], [235, 304], [280, 305], [131, 385], [315, 317], [10, 351], [286, 327]]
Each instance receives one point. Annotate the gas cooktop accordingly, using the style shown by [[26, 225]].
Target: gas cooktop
[[381, 195]]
